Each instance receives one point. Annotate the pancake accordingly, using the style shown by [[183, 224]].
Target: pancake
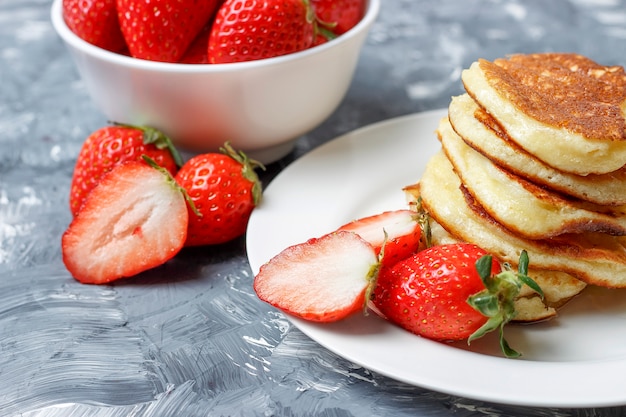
[[564, 109], [558, 287], [522, 207], [594, 258], [482, 132]]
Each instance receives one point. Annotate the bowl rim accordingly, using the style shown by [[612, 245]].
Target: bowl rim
[[371, 13]]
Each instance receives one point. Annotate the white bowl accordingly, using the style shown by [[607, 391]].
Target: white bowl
[[261, 107]]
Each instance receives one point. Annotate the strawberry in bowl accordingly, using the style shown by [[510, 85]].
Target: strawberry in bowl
[[261, 105]]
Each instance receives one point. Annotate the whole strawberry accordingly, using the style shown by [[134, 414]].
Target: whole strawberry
[[95, 21], [339, 15], [246, 30], [163, 30], [224, 189], [451, 292], [113, 145]]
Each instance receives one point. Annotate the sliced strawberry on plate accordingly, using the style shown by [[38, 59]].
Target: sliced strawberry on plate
[[402, 230], [324, 279], [133, 220]]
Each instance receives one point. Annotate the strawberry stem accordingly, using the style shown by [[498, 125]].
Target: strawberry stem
[[372, 275], [320, 27], [424, 222], [248, 169], [497, 300], [310, 13], [323, 30], [153, 136], [173, 183]]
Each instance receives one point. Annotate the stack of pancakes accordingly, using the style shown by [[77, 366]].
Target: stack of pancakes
[[533, 158]]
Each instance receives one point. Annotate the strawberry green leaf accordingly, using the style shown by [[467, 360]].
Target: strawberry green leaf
[[157, 138], [172, 182], [486, 303], [248, 169], [523, 274], [491, 324], [424, 222], [532, 284], [497, 300], [522, 268], [504, 345], [483, 267]]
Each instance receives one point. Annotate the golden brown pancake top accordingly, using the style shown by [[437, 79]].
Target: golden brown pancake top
[[563, 90]]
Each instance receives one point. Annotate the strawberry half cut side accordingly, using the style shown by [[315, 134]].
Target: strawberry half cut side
[[134, 219], [324, 279]]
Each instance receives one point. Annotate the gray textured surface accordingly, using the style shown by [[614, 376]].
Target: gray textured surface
[[190, 338]]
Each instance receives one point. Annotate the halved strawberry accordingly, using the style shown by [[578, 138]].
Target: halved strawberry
[[324, 279], [133, 220], [403, 233]]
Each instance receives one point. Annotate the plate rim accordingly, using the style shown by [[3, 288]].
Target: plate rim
[[518, 368]]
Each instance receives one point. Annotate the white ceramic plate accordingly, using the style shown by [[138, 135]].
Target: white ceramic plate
[[575, 360]]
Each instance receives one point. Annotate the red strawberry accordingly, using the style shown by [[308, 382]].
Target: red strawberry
[[246, 30], [321, 38], [339, 15], [401, 227], [224, 189], [95, 21], [451, 292], [163, 30], [112, 145], [324, 279], [197, 51], [133, 220]]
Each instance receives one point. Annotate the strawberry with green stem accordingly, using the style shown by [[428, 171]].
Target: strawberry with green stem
[[496, 301], [247, 30], [452, 292], [113, 145], [225, 189], [444, 293], [135, 219]]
